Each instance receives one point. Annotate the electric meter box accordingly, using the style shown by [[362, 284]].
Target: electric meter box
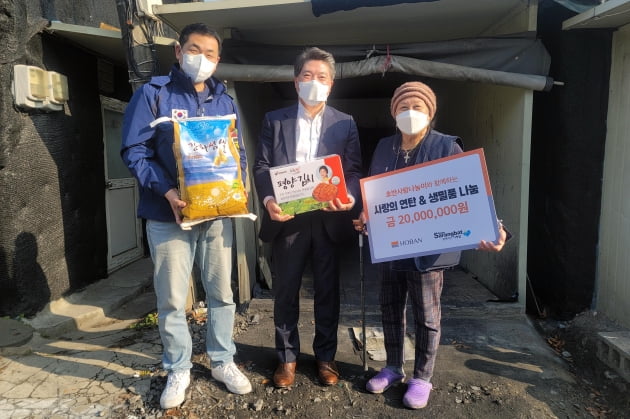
[[58, 90], [29, 86], [35, 88]]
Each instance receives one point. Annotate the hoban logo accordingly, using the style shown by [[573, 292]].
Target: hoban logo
[[406, 242]]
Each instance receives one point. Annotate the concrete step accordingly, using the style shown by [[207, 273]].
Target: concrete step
[[96, 302], [613, 349]]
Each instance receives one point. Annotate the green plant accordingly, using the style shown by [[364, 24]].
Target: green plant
[[149, 321]]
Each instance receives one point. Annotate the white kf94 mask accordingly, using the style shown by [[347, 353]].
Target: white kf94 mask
[[313, 92], [198, 67], [412, 122]]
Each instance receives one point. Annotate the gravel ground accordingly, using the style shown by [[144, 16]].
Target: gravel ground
[[597, 392], [575, 341]]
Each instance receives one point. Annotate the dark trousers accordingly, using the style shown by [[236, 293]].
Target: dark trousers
[[290, 254], [425, 290]]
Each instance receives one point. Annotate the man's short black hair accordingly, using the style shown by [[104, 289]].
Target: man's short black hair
[[201, 29]]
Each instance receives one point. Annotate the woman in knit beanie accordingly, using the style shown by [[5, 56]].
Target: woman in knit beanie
[[413, 106], [418, 90]]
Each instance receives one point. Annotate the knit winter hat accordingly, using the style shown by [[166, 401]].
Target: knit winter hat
[[414, 89]]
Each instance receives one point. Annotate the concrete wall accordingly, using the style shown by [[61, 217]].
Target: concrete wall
[[497, 119], [613, 279]]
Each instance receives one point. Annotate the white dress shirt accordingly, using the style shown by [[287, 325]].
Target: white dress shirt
[[307, 132]]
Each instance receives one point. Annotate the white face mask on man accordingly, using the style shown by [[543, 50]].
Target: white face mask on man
[[313, 92], [412, 122], [198, 67]]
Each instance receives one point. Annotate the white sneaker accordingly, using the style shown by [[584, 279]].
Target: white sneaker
[[232, 377], [175, 391]]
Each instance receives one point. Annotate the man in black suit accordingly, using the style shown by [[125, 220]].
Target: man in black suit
[[302, 132]]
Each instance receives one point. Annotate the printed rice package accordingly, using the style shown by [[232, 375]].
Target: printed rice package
[[208, 167]]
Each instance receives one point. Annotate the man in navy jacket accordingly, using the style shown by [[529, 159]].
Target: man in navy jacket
[[188, 91], [299, 133]]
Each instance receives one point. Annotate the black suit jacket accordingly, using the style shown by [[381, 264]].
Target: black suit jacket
[[277, 146]]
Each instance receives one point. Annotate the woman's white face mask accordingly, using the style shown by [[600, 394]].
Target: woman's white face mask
[[412, 122], [313, 92], [198, 67]]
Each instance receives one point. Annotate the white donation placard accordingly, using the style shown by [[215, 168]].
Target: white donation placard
[[440, 206]]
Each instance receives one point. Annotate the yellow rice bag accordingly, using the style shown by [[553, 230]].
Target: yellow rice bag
[[208, 167]]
